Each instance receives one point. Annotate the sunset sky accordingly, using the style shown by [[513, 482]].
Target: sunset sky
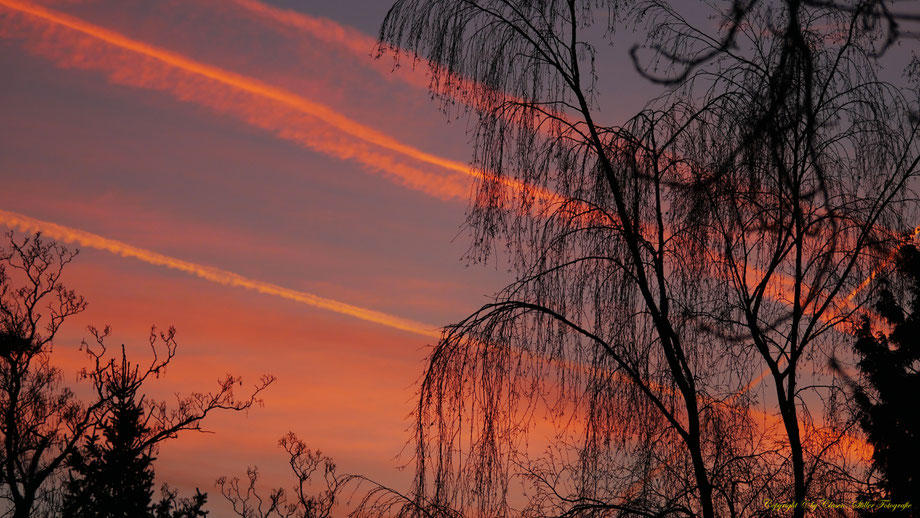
[[247, 172]]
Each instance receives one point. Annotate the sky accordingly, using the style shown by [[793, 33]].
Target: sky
[[247, 172]]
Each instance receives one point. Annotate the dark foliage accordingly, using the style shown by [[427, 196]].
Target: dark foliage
[[107, 443], [41, 421], [889, 365], [112, 478], [171, 506]]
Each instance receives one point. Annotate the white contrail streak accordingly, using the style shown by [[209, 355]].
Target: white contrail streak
[[209, 273]]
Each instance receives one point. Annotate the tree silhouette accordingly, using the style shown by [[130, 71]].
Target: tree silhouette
[[45, 429], [247, 501], [888, 365], [115, 477], [664, 266], [41, 422], [171, 506]]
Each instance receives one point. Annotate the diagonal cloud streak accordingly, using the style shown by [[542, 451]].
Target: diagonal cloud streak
[[267, 106], [362, 46], [73, 42], [209, 273], [76, 43], [353, 41]]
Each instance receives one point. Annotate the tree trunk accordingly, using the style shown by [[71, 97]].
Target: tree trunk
[[23, 505], [702, 478], [791, 423]]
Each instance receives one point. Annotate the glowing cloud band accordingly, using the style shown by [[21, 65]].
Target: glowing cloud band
[[209, 273], [277, 116]]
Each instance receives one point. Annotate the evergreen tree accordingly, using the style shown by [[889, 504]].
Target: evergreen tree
[[114, 478], [60, 456], [170, 506], [886, 399]]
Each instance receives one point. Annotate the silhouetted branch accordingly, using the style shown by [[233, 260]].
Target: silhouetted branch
[[248, 502]]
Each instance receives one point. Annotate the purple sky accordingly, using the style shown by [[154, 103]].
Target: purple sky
[[108, 129]]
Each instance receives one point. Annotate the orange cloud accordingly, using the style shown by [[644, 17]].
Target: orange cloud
[[364, 47], [261, 105], [70, 235], [226, 278], [355, 42], [75, 43], [72, 42]]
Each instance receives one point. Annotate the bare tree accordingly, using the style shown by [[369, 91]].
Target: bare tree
[[301, 502], [42, 422], [116, 477], [118, 378], [883, 18], [801, 172], [662, 264]]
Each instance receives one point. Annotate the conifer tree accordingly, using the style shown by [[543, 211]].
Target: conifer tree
[[886, 398], [60, 456], [114, 477]]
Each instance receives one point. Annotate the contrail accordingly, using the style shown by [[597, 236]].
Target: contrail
[[275, 115], [324, 29], [87, 239], [209, 273], [363, 47], [241, 82], [270, 117], [289, 115], [283, 121], [355, 42]]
